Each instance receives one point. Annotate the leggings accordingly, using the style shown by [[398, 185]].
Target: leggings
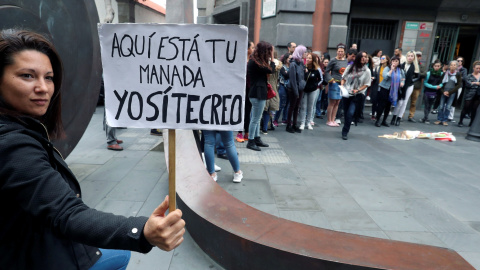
[[402, 104], [470, 107], [294, 107]]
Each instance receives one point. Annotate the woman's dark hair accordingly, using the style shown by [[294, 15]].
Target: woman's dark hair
[[357, 63], [341, 46], [327, 56], [285, 58], [376, 52], [386, 58], [14, 41], [262, 53]]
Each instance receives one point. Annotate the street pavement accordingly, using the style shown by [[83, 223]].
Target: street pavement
[[420, 191]]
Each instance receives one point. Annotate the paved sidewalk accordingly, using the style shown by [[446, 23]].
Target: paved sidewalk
[[418, 191]]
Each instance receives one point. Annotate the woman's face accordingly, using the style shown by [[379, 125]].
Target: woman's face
[[410, 57], [383, 59], [379, 54], [437, 66], [325, 62], [340, 52], [453, 67], [476, 69], [27, 84], [395, 63], [309, 59], [364, 58], [289, 58], [251, 47]]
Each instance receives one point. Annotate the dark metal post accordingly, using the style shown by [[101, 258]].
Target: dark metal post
[[474, 131]]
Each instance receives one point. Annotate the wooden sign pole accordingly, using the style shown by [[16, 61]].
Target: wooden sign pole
[[172, 194]]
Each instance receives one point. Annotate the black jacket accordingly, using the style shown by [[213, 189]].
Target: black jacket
[[297, 77], [312, 79], [258, 79], [44, 223]]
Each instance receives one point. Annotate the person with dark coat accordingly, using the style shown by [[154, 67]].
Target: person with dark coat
[[258, 68], [295, 87], [44, 224]]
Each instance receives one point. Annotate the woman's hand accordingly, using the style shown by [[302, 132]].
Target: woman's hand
[[446, 93], [438, 87], [165, 232], [355, 91], [402, 84]]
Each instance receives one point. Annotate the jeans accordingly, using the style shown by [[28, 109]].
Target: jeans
[[428, 102], [402, 103], [227, 139], [318, 104], [219, 144], [282, 92], [294, 107], [306, 107], [257, 110], [266, 118], [445, 106], [112, 259], [349, 109]]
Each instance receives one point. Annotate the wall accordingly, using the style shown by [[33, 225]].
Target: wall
[[102, 11]]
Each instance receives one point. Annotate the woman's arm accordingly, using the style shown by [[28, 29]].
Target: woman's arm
[[284, 73], [328, 69], [293, 78], [458, 84]]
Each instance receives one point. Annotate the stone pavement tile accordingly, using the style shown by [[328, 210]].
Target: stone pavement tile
[[351, 220], [326, 187], [426, 238], [92, 156], [135, 186], [313, 169], [472, 257], [355, 156], [252, 191], [156, 259], [252, 171], [152, 161], [465, 208], [156, 197], [118, 207], [342, 204], [371, 198], [434, 218], [290, 197], [475, 225], [114, 170], [353, 179], [81, 171], [312, 218], [95, 191], [189, 256], [469, 242], [284, 175], [377, 234], [269, 208], [396, 221], [139, 154], [393, 187]]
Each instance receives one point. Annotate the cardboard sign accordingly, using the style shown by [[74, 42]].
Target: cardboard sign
[[174, 76]]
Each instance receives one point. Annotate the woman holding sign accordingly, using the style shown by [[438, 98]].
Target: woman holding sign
[[258, 68], [44, 223]]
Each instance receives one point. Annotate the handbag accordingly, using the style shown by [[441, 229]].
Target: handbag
[[270, 92], [343, 91]]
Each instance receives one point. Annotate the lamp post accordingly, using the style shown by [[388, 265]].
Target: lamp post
[[473, 133]]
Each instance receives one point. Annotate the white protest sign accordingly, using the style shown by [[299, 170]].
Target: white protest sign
[[174, 76]]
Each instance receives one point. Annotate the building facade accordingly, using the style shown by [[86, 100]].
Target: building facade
[[441, 29]]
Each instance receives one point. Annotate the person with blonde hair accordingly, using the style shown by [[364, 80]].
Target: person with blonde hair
[[313, 78], [412, 74]]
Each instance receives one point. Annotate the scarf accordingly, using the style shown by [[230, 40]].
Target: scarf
[[395, 84], [435, 73], [447, 76]]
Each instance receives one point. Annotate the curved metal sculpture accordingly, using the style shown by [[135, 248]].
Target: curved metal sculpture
[[238, 236], [72, 26]]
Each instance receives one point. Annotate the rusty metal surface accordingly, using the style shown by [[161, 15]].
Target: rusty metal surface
[[238, 236], [72, 25]]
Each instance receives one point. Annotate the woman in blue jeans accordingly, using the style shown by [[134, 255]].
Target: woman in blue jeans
[[282, 90], [229, 144], [452, 81], [258, 68]]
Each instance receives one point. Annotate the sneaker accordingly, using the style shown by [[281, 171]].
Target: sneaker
[[264, 131], [434, 112], [217, 168], [412, 120], [312, 123], [437, 122], [155, 132], [338, 121], [445, 123], [451, 120], [309, 127], [371, 114], [373, 118], [275, 123], [368, 98], [284, 122], [237, 177], [302, 127], [214, 177], [239, 138], [427, 122]]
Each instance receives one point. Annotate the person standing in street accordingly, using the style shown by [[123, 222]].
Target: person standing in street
[[472, 94], [459, 96], [248, 106], [417, 88], [433, 84], [452, 81], [259, 67], [295, 87], [333, 75], [313, 78], [356, 79], [392, 80], [398, 53]]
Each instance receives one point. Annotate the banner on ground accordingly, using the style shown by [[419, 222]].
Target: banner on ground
[[174, 76]]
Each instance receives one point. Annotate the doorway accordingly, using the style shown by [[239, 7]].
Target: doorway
[[466, 44]]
